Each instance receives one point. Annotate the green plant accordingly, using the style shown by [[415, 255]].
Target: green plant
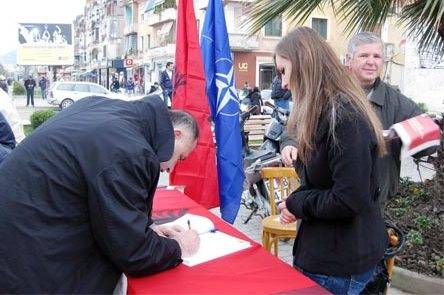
[[423, 222], [27, 129], [439, 265], [18, 89], [415, 237], [423, 107], [166, 4], [39, 117]]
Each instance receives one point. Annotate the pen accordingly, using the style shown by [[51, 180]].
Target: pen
[[189, 224]]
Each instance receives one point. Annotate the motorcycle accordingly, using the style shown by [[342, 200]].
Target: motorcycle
[[255, 195]]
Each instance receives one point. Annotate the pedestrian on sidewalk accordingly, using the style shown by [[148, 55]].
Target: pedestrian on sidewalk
[[130, 86], [76, 199], [166, 82], [30, 85], [44, 83], [3, 83], [7, 139], [9, 111]]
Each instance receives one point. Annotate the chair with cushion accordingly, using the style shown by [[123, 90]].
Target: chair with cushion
[[281, 181]]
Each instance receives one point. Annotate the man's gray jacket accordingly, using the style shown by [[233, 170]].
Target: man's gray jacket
[[391, 107]]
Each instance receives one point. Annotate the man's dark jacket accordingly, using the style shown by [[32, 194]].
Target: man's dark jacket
[[342, 231], [391, 107], [76, 196], [165, 81], [277, 92], [30, 84]]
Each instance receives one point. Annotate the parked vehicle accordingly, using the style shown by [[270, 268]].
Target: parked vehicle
[[64, 94], [255, 196]]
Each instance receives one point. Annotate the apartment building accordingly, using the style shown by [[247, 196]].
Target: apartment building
[[98, 42], [136, 38]]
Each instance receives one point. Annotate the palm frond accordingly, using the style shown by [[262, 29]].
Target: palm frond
[[423, 20]]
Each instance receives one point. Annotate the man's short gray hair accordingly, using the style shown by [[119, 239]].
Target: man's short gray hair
[[363, 38], [186, 120]]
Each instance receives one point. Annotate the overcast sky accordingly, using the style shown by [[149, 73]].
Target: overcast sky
[[33, 11]]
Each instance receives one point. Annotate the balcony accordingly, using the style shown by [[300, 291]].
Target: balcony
[[167, 50], [165, 15], [243, 42], [131, 29]]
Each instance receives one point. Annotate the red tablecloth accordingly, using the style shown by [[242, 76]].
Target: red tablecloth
[[253, 270]]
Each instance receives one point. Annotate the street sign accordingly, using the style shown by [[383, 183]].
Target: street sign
[[129, 62]]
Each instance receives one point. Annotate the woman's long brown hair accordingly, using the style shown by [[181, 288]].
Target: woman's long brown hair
[[318, 81]]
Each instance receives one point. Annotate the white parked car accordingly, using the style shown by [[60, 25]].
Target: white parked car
[[64, 94]]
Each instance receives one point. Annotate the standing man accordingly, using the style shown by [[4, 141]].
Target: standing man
[[43, 84], [30, 85], [166, 82], [76, 198], [3, 83], [130, 86], [280, 96], [365, 61]]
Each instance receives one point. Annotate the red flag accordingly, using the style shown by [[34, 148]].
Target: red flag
[[198, 172]]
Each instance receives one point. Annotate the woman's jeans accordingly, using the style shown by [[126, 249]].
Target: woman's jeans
[[349, 285]]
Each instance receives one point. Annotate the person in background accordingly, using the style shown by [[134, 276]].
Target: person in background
[[30, 86], [9, 111], [154, 87], [3, 83], [281, 97], [115, 85], [256, 100], [166, 81], [365, 62], [341, 237], [130, 86], [43, 84], [76, 197], [7, 139]]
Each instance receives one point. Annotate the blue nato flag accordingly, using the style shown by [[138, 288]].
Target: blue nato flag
[[224, 104]]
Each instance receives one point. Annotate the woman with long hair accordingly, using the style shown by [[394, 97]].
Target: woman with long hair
[[341, 237]]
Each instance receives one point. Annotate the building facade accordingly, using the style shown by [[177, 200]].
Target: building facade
[[136, 38]]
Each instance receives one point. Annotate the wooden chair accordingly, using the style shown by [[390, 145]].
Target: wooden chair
[[281, 181]]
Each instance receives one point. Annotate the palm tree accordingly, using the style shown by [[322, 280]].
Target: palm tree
[[423, 19]]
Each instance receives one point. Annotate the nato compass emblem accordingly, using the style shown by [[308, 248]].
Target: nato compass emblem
[[227, 100]]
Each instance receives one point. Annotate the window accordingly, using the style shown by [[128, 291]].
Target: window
[[274, 28], [81, 88], [320, 26], [148, 41], [142, 45], [66, 87], [104, 51], [97, 89]]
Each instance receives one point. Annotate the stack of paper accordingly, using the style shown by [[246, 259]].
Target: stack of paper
[[213, 243]]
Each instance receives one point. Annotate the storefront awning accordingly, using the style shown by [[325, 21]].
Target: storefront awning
[[166, 28], [151, 4]]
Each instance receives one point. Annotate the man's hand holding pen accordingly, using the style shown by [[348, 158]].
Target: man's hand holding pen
[[188, 239]]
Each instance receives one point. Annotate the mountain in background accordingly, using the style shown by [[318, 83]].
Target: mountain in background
[[9, 60]]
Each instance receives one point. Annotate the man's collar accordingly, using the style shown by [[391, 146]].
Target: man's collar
[[377, 94]]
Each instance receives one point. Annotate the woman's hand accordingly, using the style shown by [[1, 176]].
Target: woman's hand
[[289, 154]]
